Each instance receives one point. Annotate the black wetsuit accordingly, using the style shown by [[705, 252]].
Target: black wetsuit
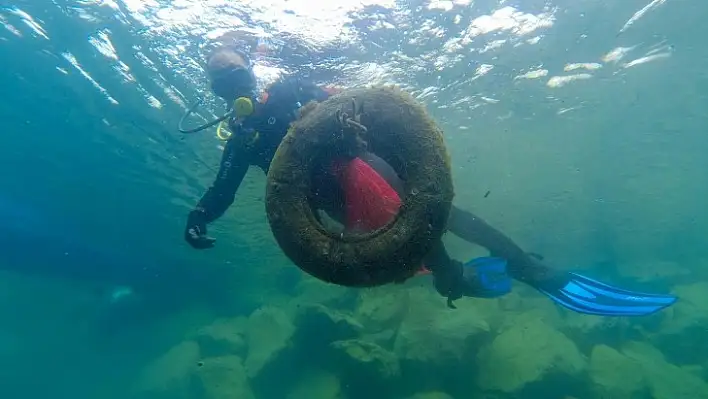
[[254, 143], [271, 121]]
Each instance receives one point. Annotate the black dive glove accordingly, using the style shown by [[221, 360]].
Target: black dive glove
[[196, 231], [450, 282]]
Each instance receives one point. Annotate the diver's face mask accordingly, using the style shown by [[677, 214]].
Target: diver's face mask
[[236, 84], [232, 83]]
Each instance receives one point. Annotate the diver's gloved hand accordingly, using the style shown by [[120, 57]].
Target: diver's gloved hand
[[449, 282], [483, 277], [196, 231]]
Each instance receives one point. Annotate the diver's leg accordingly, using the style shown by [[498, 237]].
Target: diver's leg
[[488, 277], [466, 226], [470, 228], [521, 265], [571, 290]]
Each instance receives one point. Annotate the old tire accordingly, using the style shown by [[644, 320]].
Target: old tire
[[399, 131]]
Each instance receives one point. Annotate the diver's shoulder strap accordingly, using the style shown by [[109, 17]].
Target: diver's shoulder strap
[[279, 104]]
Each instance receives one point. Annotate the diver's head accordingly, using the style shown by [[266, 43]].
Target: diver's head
[[230, 73]]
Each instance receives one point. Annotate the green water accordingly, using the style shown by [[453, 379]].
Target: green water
[[582, 120]]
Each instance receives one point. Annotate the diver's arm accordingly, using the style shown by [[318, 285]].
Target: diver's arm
[[471, 228], [308, 91], [221, 194], [569, 289], [300, 90]]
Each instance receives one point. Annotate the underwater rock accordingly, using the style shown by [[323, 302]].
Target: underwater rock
[[615, 375], [665, 380], [363, 358], [431, 395], [697, 370], [381, 309], [587, 330], [169, 376], [326, 324], [656, 270], [524, 305], [317, 384], [525, 353], [223, 337], [385, 338], [268, 332], [682, 332], [433, 335], [584, 324], [222, 378], [312, 291], [643, 352]]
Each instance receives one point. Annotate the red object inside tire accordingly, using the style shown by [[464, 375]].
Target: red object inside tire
[[369, 200]]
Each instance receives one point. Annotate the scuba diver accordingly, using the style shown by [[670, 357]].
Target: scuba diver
[[258, 124]]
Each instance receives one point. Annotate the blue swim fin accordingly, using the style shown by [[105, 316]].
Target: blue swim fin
[[490, 279], [585, 295]]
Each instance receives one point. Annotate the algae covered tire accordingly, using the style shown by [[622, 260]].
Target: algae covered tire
[[397, 129]]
